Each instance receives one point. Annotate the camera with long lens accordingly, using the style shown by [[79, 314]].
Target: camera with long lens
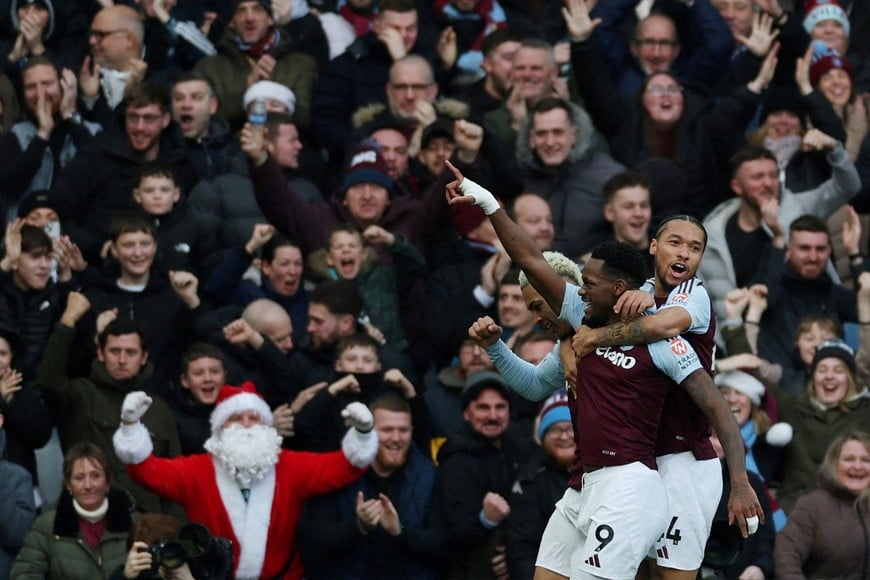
[[208, 557], [169, 555]]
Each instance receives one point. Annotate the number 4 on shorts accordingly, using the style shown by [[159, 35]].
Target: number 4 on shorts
[[673, 533]]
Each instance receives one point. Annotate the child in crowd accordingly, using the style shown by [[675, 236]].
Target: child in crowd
[[358, 377], [184, 241], [381, 285], [193, 399]]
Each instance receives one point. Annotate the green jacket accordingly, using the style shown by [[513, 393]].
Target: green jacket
[[55, 548], [89, 409], [229, 69], [814, 430]]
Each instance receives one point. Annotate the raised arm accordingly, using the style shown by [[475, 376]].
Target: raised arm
[[309, 224], [532, 382], [51, 373], [519, 246], [844, 182]]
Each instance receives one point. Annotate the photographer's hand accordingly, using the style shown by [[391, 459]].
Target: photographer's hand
[[138, 560]]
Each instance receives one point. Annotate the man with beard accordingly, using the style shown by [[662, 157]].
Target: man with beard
[[98, 183], [389, 522], [478, 466], [252, 49], [684, 455], [601, 294], [753, 223], [245, 487], [489, 93], [36, 151], [798, 286], [532, 381], [334, 311]]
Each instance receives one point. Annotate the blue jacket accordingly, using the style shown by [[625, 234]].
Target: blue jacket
[[17, 510], [704, 63]]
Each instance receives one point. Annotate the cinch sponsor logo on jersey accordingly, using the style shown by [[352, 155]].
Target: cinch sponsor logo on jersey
[[617, 358]]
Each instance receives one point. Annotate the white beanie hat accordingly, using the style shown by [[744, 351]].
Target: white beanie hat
[[744, 383], [271, 90], [232, 400], [820, 10]]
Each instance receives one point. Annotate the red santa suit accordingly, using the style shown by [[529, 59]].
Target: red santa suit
[[263, 529]]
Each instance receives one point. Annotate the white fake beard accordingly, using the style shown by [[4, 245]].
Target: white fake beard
[[246, 453]]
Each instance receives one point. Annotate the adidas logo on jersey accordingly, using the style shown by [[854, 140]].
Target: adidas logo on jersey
[[593, 561], [617, 357], [662, 552]]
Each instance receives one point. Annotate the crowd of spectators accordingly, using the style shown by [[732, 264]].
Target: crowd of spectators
[[203, 193]]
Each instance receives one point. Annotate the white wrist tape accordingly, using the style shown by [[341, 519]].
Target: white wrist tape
[[482, 196], [752, 524]]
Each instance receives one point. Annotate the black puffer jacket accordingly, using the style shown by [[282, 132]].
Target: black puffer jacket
[[470, 467], [31, 316], [540, 485], [98, 184]]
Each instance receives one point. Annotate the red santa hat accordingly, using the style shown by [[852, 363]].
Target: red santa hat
[[232, 400], [742, 382], [816, 11]]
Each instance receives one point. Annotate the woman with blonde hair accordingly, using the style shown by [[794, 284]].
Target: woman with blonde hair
[[827, 533], [834, 403]]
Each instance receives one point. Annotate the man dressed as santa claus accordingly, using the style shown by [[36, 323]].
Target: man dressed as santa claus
[[246, 488]]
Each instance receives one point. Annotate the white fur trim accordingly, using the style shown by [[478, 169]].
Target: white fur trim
[[271, 90], [339, 33], [237, 404], [360, 448], [743, 382], [132, 443], [780, 434], [250, 520]]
